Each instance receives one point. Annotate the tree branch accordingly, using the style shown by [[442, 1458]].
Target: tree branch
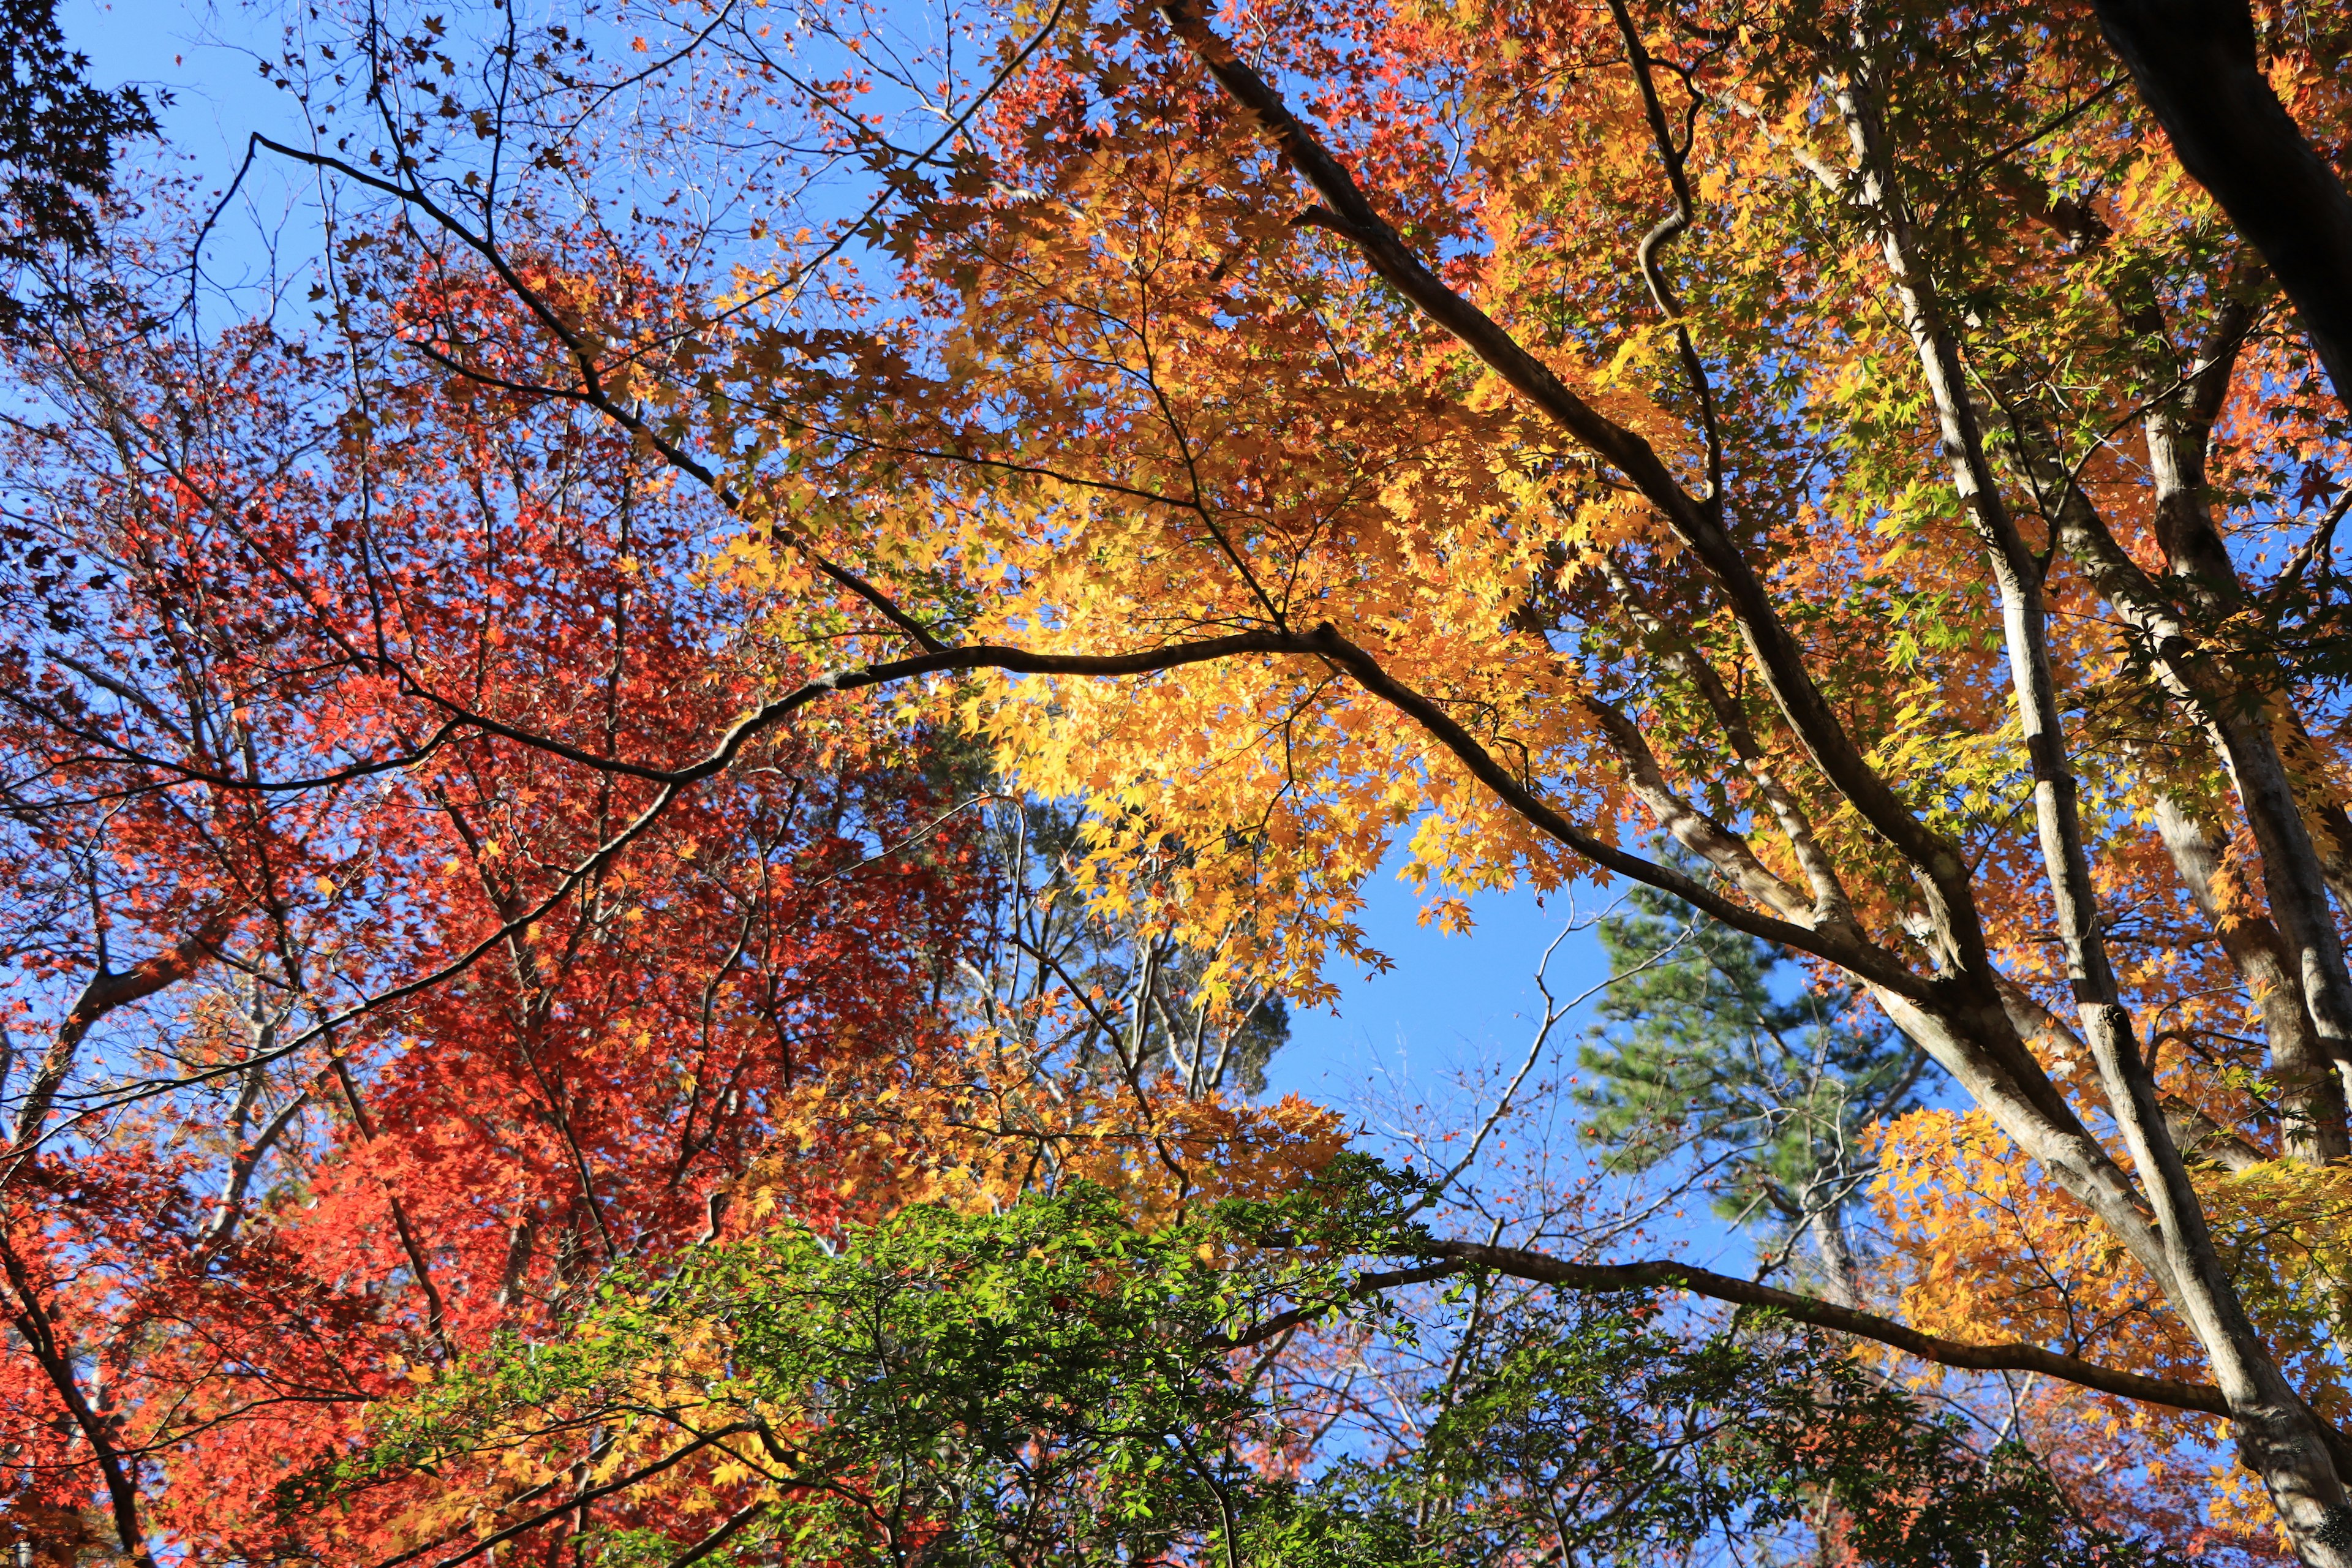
[[1778, 654], [1664, 1274]]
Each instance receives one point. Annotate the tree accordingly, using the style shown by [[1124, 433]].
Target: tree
[[1053, 1383], [1540, 425], [2200, 68], [58, 139], [369, 998], [1703, 1048]]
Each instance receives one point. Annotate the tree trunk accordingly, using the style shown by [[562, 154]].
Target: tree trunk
[[2195, 64]]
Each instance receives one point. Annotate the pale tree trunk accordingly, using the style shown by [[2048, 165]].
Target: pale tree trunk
[[2280, 1438], [1840, 1274]]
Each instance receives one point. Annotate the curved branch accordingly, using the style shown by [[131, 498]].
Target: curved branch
[[591, 379], [1660, 1273], [590, 1494], [1864, 959], [676, 782]]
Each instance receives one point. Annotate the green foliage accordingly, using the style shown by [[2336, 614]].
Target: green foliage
[[1596, 1429], [1050, 1384], [1327, 1527], [1710, 1051], [1041, 1386]]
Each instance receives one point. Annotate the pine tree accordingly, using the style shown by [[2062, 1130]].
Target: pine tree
[[1720, 1049]]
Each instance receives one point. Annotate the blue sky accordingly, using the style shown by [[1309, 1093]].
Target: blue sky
[[168, 44], [1456, 1000]]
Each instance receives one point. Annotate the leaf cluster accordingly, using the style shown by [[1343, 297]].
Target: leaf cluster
[[1053, 1383], [58, 135]]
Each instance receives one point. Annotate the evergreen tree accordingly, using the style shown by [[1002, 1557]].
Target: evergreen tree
[[1720, 1049]]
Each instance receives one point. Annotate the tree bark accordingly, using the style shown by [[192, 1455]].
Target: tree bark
[[106, 991], [2279, 1436], [2195, 64]]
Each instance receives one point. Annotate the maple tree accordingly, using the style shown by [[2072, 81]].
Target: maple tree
[[384, 971], [59, 137], [1517, 427], [1512, 429]]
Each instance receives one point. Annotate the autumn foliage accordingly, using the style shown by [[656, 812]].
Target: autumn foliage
[[346, 1074], [808, 624]]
